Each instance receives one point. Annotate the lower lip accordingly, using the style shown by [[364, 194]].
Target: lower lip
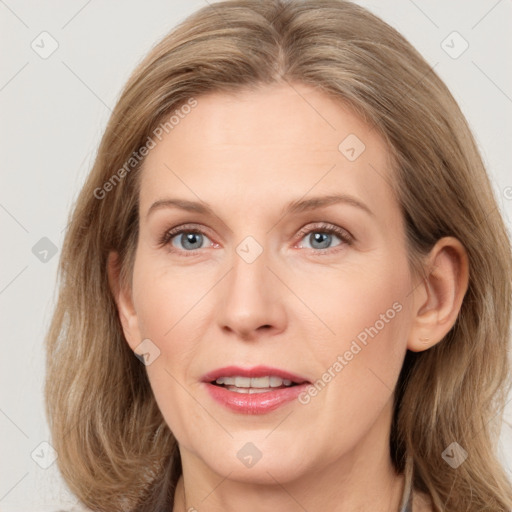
[[255, 403]]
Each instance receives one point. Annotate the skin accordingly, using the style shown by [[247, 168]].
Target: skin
[[297, 306]]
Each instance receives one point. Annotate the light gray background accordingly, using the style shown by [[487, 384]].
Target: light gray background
[[54, 111]]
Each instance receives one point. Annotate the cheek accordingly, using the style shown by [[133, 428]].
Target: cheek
[[166, 297], [357, 366], [361, 361], [168, 302], [361, 302]]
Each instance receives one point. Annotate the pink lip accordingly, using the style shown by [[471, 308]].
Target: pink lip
[[254, 403]]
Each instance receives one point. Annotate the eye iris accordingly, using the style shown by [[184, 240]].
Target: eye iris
[[323, 238], [192, 238]]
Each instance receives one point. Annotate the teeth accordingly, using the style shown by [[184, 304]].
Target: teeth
[[260, 382], [242, 382], [248, 390], [275, 382], [263, 383]]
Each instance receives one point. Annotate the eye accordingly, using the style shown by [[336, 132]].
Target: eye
[[321, 237], [184, 239], [189, 239]]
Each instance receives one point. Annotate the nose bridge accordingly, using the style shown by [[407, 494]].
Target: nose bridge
[[250, 262], [250, 296]]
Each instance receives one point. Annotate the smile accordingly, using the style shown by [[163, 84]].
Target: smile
[[257, 390], [253, 385]]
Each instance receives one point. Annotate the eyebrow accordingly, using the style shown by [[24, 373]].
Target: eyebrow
[[297, 206]]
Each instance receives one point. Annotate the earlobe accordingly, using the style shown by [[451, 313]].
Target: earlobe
[[124, 302], [439, 299]]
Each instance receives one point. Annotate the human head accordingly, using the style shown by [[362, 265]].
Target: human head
[[441, 188]]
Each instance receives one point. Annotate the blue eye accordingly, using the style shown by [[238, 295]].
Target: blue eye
[[189, 240], [323, 238]]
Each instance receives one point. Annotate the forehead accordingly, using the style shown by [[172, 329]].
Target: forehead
[[279, 140]]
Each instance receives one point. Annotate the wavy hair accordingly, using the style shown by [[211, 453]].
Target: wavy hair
[[115, 450]]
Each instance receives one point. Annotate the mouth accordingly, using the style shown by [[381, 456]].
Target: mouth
[[250, 385], [255, 390]]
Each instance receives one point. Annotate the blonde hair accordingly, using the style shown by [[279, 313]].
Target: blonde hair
[[115, 450]]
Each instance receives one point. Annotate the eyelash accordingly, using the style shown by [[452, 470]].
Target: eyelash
[[331, 229]]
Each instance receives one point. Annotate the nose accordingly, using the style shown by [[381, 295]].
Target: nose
[[251, 300]]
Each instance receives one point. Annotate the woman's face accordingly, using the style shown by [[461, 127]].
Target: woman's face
[[267, 272]]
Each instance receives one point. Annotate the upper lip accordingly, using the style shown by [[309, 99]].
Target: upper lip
[[255, 371]]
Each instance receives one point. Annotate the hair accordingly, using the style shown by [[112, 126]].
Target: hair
[[115, 451]]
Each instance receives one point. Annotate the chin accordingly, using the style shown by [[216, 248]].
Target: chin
[[261, 473], [251, 465]]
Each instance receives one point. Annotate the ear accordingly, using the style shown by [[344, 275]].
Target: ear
[[124, 302], [438, 299]]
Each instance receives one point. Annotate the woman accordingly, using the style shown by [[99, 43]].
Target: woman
[[285, 283]]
